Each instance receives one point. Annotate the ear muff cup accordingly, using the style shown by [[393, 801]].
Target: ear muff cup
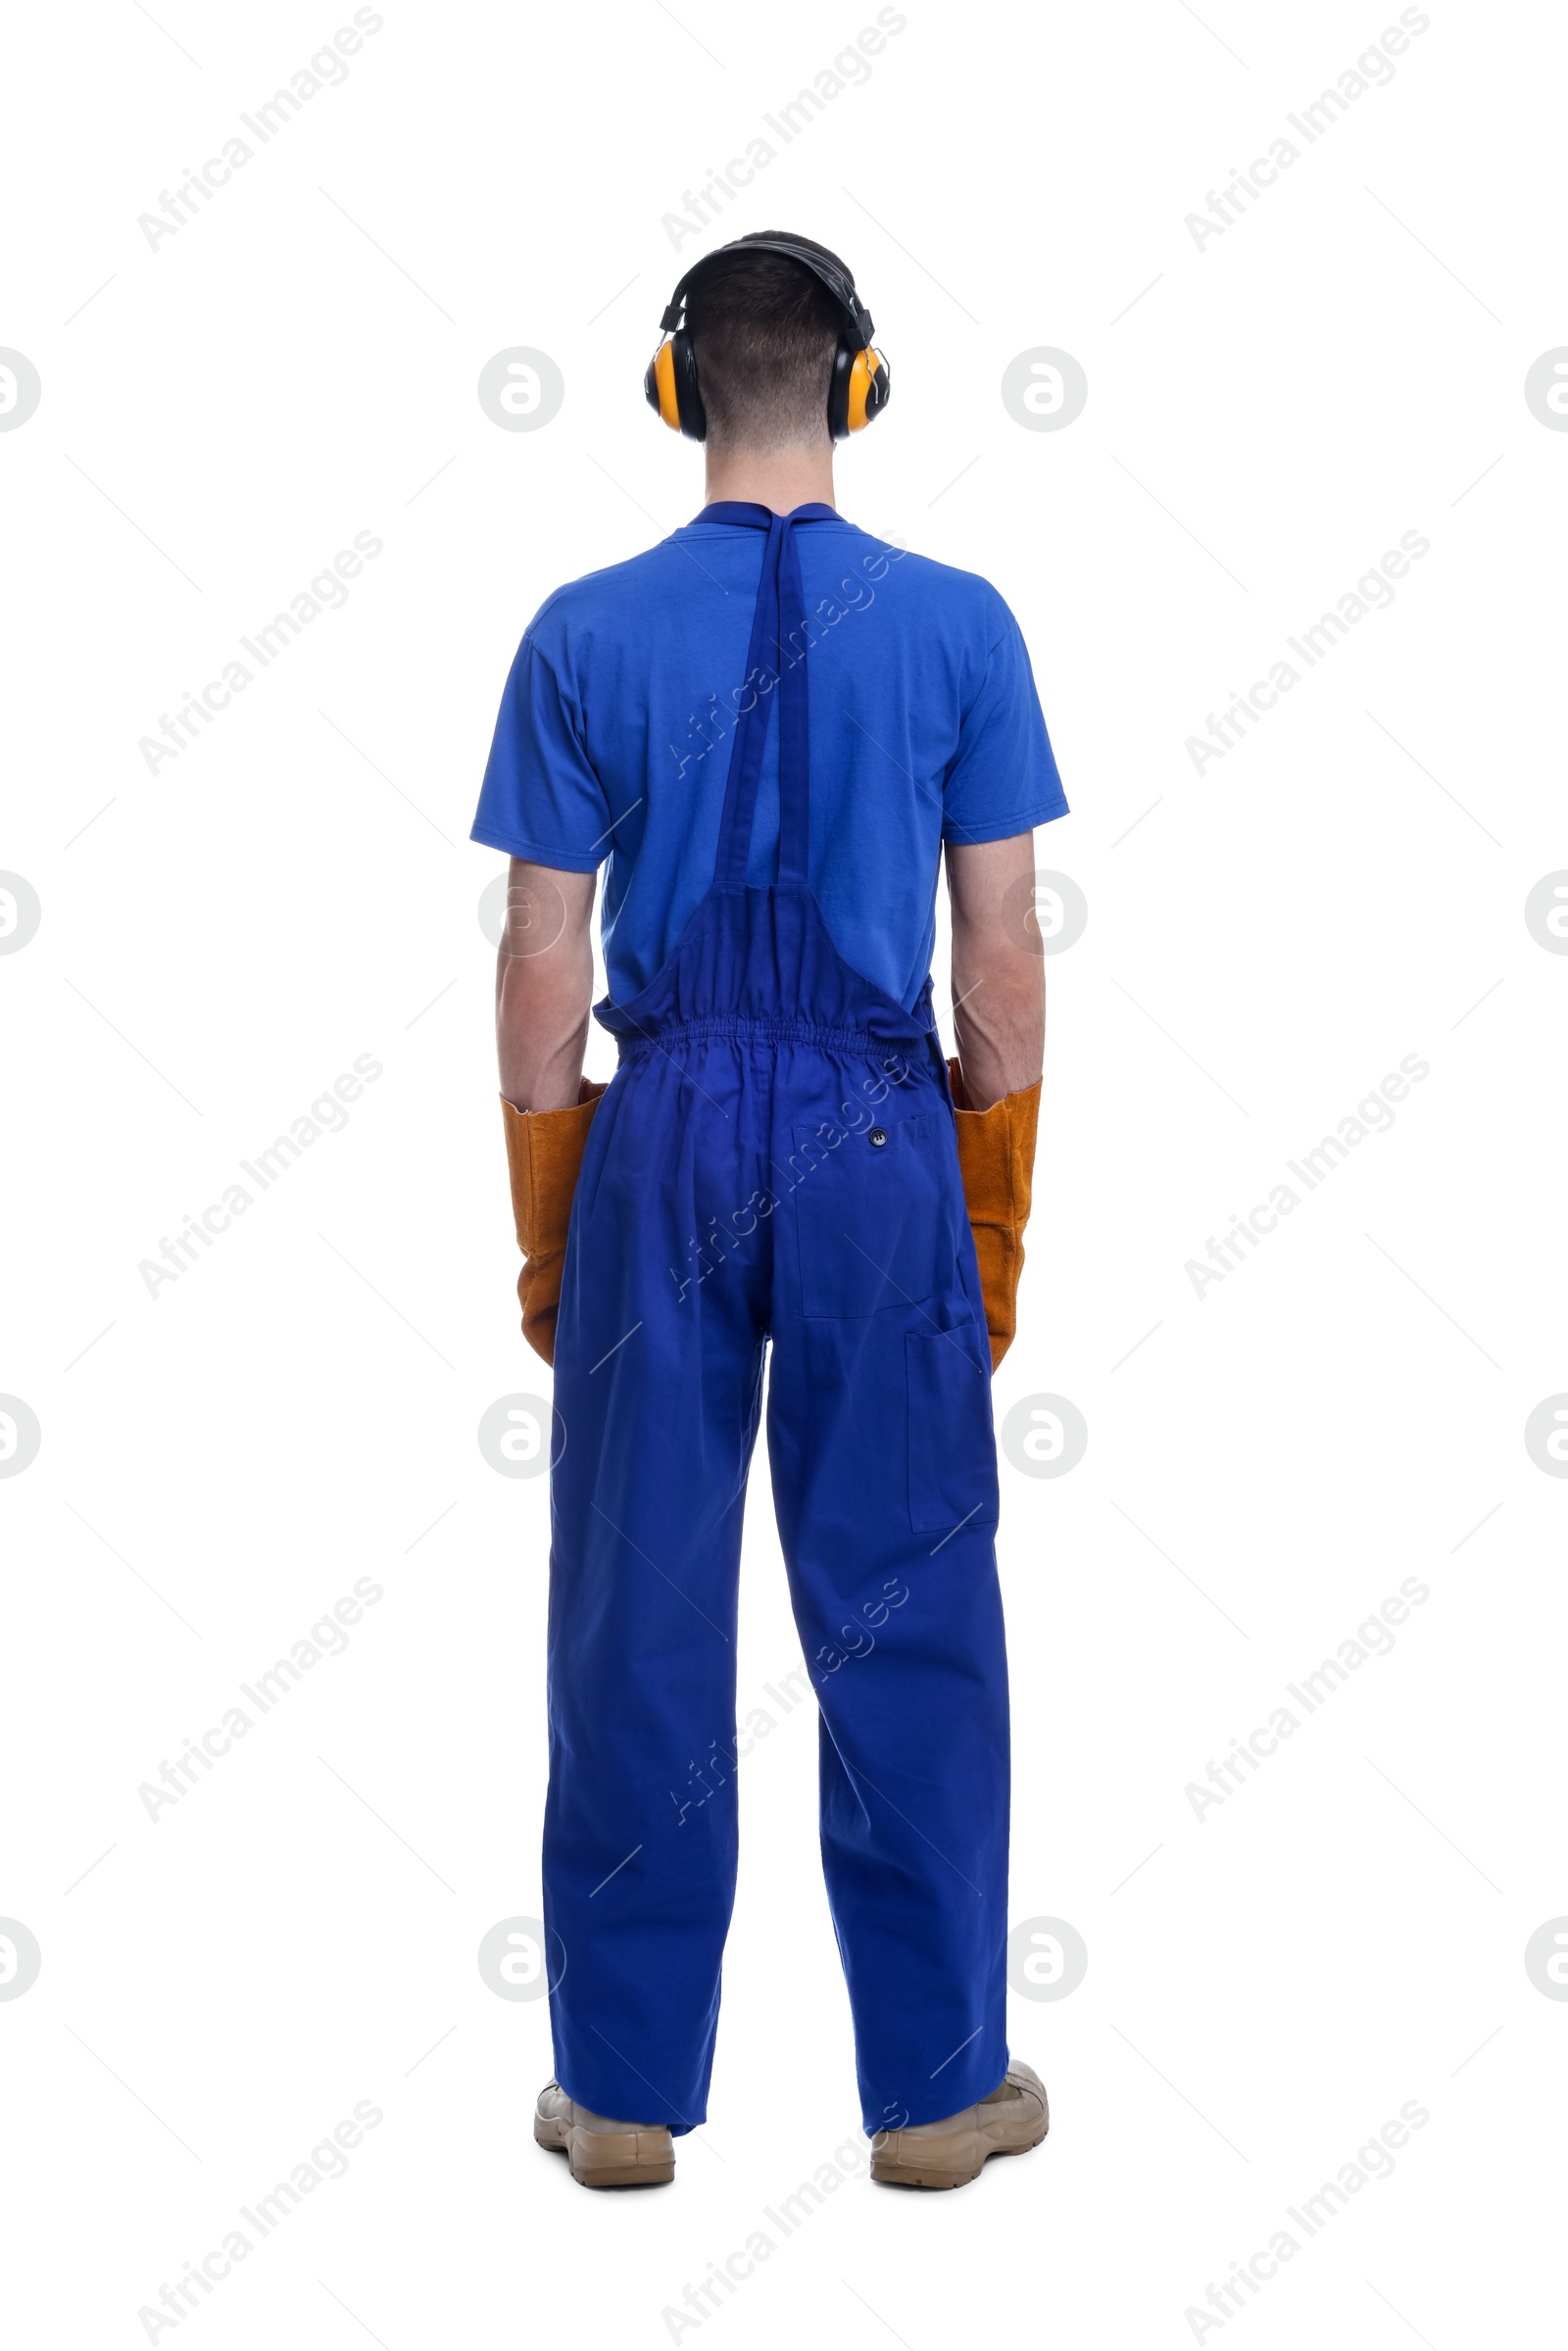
[[670, 390], [860, 388]]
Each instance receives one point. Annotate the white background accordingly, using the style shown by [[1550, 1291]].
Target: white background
[[219, 1463]]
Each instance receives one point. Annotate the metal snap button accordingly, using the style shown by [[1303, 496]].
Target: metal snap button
[[877, 1136]]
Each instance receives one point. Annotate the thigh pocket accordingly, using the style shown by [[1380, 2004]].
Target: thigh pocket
[[874, 1217], [952, 1452]]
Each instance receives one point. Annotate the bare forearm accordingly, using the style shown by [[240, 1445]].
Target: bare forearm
[[998, 971], [544, 986], [540, 1058], [999, 1023]]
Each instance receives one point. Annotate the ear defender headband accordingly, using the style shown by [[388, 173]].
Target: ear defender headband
[[858, 389]]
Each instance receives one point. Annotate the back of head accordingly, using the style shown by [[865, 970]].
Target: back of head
[[764, 332]]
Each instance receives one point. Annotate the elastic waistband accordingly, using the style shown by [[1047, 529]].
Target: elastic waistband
[[781, 1031]]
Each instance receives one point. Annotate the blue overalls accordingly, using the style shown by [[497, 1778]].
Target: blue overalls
[[774, 1159]]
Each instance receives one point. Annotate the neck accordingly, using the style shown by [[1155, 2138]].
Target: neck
[[781, 479]]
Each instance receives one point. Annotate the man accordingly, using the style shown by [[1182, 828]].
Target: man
[[768, 728]]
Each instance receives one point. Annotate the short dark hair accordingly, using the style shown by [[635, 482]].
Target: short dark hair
[[764, 332]]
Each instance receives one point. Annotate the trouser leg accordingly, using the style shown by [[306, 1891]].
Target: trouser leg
[[884, 1474], [657, 1397]]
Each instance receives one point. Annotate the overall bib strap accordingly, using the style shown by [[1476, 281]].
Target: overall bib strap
[[793, 729], [774, 662]]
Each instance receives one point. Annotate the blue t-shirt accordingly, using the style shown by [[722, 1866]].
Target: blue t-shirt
[[616, 725]]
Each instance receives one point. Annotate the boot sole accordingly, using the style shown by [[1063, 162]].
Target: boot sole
[[601, 2175], [908, 2174]]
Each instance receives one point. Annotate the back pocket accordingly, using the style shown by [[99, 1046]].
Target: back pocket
[[873, 1216], [952, 1450]]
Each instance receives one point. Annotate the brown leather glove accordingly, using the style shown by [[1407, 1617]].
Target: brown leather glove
[[997, 1160], [544, 1152]]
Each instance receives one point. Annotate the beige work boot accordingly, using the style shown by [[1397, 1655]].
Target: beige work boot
[[603, 2153], [953, 2152]]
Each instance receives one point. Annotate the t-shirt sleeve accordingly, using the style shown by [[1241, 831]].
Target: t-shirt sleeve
[[1003, 779], [541, 798]]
